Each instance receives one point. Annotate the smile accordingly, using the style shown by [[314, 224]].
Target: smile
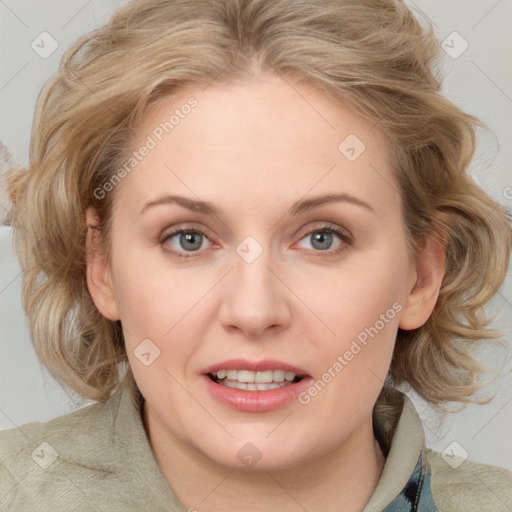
[[254, 380], [255, 386]]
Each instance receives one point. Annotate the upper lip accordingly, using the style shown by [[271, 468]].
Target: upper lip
[[255, 366]]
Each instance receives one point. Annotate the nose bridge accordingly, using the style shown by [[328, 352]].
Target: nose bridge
[[252, 267], [254, 300]]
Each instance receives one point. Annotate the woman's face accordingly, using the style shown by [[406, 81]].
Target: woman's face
[[301, 272]]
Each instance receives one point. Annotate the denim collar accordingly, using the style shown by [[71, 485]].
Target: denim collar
[[416, 495], [405, 482]]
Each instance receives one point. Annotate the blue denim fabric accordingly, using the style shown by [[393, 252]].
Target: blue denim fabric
[[416, 496]]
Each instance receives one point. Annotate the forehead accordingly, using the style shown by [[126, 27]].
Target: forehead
[[258, 138]]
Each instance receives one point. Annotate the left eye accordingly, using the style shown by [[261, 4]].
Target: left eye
[[322, 239]]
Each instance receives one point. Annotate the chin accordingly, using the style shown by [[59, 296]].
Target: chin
[[257, 455]]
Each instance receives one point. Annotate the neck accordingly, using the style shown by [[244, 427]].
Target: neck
[[345, 476]]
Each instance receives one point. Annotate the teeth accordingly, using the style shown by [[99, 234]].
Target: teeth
[[252, 386], [249, 377], [246, 376], [279, 375], [262, 377]]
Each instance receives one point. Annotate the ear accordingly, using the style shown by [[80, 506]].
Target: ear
[[423, 296], [99, 278]]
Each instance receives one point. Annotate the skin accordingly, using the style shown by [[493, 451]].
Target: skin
[[253, 148]]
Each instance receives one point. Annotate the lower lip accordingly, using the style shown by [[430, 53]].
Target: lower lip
[[256, 401]]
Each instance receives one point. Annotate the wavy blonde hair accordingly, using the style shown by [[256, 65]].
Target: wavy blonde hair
[[372, 55]]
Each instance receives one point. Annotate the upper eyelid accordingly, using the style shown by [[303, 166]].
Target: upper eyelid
[[316, 225], [328, 225], [185, 226]]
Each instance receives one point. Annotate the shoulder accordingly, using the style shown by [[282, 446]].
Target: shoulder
[[464, 485], [78, 425], [36, 454]]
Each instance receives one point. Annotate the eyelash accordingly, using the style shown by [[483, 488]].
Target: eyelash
[[343, 235]]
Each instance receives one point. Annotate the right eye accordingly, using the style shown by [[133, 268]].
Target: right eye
[[184, 240]]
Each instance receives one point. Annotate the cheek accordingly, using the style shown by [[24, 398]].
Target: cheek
[[355, 296], [352, 361], [361, 309], [157, 303], [151, 295]]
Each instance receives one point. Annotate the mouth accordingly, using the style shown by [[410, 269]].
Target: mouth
[[249, 380], [252, 386]]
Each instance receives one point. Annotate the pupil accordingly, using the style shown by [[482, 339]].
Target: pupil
[[322, 238]]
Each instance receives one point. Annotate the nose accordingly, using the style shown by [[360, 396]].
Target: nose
[[255, 301]]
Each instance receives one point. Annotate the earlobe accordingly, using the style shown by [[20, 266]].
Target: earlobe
[[99, 279], [422, 298]]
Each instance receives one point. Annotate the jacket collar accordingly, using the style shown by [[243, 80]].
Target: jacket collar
[[405, 482]]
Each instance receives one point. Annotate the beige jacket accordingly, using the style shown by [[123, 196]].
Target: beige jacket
[[99, 459]]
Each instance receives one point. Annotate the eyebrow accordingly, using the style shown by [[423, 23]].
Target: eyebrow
[[308, 204], [297, 208]]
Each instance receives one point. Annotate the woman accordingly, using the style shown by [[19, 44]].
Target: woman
[[253, 220]]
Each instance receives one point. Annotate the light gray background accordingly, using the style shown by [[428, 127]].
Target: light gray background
[[478, 80]]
